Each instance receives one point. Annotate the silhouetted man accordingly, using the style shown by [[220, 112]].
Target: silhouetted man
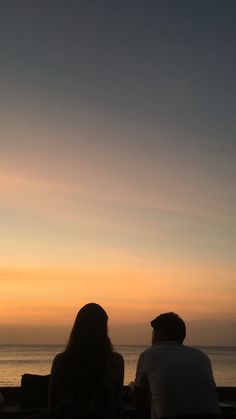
[[173, 379]]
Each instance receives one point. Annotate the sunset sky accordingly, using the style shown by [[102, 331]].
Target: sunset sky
[[117, 166]]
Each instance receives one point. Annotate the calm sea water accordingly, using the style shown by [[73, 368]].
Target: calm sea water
[[16, 360]]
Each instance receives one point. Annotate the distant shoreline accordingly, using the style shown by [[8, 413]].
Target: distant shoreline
[[116, 345]]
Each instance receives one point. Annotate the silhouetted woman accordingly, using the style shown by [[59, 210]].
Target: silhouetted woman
[[87, 378]]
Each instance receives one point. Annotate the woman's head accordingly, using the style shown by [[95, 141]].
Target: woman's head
[[91, 322], [88, 349], [90, 327]]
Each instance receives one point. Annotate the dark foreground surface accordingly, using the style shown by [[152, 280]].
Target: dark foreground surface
[[31, 398]]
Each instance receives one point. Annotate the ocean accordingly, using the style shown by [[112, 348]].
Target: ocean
[[16, 360]]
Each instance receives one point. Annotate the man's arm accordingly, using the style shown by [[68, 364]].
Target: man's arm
[[142, 399]]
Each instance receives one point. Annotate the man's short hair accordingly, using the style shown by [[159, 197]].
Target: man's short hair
[[170, 326]]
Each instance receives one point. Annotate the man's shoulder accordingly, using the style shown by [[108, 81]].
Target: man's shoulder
[[149, 352], [173, 347], [192, 350]]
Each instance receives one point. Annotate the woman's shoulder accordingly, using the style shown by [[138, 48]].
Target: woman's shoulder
[[118, 360], [117, 357], [118, 369], [59, 357], [58, 360]]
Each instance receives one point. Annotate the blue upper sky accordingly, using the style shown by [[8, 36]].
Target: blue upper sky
[[118, 134]]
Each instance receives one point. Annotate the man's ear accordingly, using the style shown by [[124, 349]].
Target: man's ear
[[154, 337]]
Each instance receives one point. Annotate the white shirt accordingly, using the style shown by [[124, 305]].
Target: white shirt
[[179, 378]]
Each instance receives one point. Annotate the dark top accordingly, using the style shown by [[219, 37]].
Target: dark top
[[102, 399]]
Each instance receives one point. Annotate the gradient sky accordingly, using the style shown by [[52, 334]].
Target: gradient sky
[[117, 166]]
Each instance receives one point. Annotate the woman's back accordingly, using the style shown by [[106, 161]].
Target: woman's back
[[88, 377], [93, 398]]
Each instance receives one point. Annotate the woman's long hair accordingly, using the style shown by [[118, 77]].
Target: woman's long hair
[[89, 349]]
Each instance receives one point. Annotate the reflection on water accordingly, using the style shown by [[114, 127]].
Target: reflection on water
[[16, 360]]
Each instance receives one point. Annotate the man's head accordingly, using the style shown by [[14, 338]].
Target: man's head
[[168, 326]]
